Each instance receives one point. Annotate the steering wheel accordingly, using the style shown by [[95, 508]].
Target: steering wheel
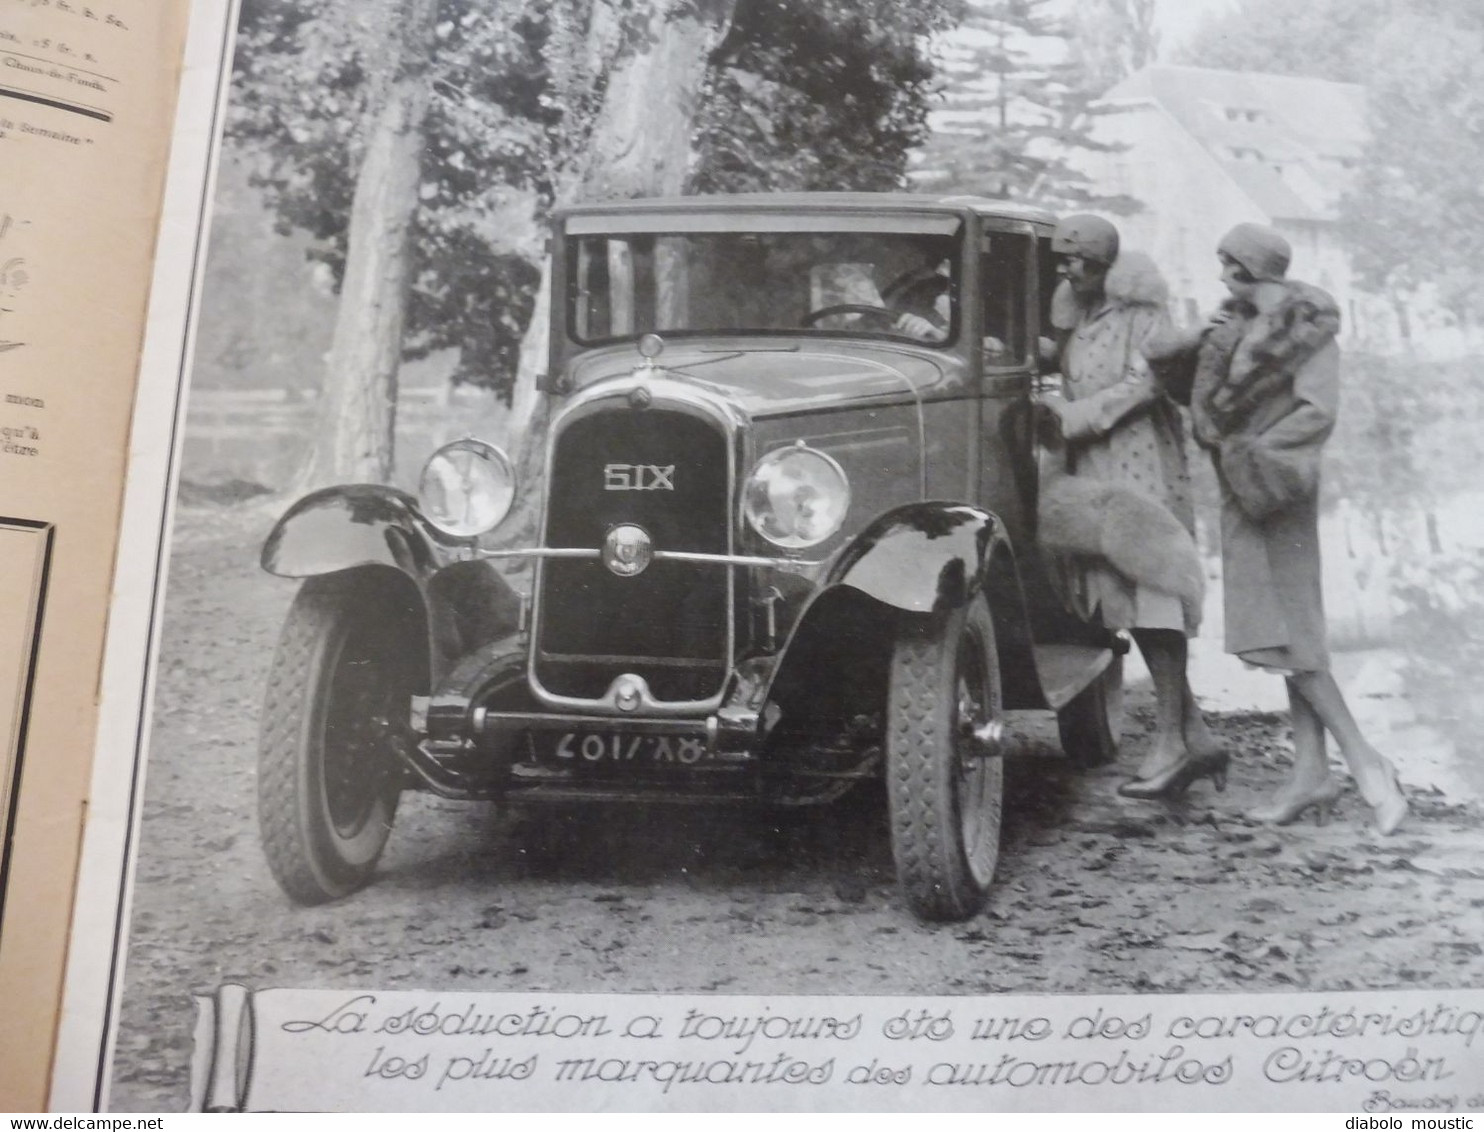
[[884, 315]]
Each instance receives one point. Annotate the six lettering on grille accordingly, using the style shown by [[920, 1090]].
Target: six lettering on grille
[[638, 477]]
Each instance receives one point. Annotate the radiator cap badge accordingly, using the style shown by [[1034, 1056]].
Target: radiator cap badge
[[628, 692], [627, 550]]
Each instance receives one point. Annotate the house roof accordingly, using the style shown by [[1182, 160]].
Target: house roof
[[1290, 143]]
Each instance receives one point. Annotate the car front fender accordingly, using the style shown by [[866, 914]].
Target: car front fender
[[340, 528], [368, 527], [921, 558], [928, 559]]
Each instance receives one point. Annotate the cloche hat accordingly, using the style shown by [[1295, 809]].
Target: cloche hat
[[1088, 236], [1262, 251]]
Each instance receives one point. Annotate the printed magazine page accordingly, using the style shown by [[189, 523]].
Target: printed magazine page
[[788, 557], [86, 98]]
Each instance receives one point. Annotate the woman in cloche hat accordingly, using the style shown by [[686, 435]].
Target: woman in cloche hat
[[1262, 382], [1124, 433]]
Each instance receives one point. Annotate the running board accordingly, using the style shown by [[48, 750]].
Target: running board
[[1065, 670]]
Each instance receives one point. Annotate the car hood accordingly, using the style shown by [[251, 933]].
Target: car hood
[[779, 377]]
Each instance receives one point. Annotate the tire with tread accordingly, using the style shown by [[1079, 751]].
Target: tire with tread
[[347, 660], [1091, 726], [944, 803]]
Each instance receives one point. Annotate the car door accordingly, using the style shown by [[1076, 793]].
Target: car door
[[1008, 319]]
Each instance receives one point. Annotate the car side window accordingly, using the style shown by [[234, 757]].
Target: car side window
[[1004, 280], [1046, 280]]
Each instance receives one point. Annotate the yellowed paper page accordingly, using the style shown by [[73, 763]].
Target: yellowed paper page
[[86, 98]]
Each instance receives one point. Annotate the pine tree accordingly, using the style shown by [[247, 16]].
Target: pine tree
[[1112, 39], [1018, 106]]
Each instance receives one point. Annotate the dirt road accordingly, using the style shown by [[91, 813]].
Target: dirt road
[[1095, 893]]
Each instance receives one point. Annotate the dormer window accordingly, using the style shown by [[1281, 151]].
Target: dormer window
[[1244, 153], [1243, 114]]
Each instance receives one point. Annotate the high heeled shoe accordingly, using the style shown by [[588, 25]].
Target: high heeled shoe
[[1390, 809], [1177, 778], [1320, 800]]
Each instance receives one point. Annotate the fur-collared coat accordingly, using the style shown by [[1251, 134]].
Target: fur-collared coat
[[1263, 392], [1123, 430]]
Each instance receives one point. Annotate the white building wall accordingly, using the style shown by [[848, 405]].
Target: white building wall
[[1190, 201], [1368, 322]]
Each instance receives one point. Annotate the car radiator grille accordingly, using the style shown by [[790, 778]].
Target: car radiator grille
[[668, 624]]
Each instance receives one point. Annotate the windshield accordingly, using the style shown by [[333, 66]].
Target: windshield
[[897, 284]]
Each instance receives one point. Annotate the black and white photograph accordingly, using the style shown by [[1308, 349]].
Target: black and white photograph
[[855, 499]]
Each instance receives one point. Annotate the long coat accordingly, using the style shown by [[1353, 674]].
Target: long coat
[[1121, 428], [1264, 402]]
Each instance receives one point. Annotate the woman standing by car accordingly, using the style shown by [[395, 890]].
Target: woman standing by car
[[1122, 429], [1262, 382]]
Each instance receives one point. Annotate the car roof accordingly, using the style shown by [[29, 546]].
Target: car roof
[[824, 202]]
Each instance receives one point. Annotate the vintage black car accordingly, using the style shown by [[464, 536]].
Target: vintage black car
[[786, 546]]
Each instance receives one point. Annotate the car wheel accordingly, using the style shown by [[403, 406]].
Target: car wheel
[[347, 662], [1091, 725], [944, 792]]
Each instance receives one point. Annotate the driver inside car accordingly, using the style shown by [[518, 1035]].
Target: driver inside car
[[921, 294], [916, 299], [924, 305], [922, 297]]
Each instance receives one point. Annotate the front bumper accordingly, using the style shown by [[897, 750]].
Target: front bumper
[[724, 758]]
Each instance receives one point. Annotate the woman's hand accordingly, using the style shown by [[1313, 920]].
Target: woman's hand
[[918, 327], [1232, 310], [1047, 415]]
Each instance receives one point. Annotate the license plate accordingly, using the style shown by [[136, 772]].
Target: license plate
[[595, 747]]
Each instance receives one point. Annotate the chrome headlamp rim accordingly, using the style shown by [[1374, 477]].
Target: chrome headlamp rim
[[481, 459], [777, 456]]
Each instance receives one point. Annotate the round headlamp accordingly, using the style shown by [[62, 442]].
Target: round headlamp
[[796, 497], [467, 488]]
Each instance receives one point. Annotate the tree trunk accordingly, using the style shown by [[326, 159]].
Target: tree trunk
[[1434, 538], [641, 141], [640, 145], [534, 351], [1403, 321], [358, 404]]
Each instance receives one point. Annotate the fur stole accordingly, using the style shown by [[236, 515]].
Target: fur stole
[[1300, 326], [1132, 281], [1132, 534]]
